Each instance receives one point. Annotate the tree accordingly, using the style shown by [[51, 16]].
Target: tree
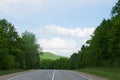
[[74, 60], [114, 42], [9, 42], [47, 64], [99, 42], [62, 63], [116, 9], [31, 50], [83, 57]]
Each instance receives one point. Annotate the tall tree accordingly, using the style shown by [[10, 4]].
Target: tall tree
[[74, 60], [9, 42], [99, 42], [31, 50], [114, 41]]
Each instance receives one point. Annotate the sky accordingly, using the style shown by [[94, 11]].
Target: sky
[[60, 26]]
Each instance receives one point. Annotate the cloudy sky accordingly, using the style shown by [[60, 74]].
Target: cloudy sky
[[61, 26]]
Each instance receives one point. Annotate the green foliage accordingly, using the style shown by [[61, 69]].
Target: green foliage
[[103, 49], [110, 73], [99, 43], [114, 42], [8, 41], [31, 50], [62, 63], [17, 52], [74, 61], [5, 72], [47, 64]]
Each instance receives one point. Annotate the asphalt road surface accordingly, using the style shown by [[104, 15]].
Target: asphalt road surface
[[50, 75]]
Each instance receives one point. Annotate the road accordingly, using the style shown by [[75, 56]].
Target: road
[[50, 75]]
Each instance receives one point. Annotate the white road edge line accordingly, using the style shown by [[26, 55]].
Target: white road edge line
[[53, 75], [82, 76], [14, 77]]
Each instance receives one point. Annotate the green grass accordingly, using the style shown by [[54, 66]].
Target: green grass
[[48, 55], [110, 73], [4, 72]]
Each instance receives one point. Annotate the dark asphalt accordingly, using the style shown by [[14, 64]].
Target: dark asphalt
[[50, 75]]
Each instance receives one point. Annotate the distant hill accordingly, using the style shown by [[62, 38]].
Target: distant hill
[[48, 55]]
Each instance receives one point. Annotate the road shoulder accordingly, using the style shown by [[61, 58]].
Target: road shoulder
[[5, 77], [93, 77]]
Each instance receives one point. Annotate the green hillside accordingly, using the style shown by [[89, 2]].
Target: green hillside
[[48, 55]]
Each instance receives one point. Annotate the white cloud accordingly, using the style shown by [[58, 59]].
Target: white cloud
[[59, 46], [58, 30], [62, 45]]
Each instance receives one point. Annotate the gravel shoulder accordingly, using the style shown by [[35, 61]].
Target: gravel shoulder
[[93, 77], [5, 77]]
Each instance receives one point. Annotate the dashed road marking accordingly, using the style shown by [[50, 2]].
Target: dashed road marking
[[53, 75]]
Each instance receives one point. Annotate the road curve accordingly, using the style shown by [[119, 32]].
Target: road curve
[[50, 75]]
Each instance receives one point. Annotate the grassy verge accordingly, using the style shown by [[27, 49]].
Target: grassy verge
[[4, 72], [110, 73]]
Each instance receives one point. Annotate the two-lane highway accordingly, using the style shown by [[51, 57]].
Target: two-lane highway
[[50, 75]]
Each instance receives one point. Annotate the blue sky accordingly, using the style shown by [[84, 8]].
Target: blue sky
[[61, 26]]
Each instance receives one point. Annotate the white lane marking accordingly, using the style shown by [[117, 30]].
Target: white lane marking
[[53, 75]]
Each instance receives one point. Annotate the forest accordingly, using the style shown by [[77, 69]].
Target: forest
[[102, 50], [17, 52]]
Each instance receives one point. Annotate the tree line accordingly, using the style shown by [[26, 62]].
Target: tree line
[[61, 63], [103, 49], [17, 52]]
